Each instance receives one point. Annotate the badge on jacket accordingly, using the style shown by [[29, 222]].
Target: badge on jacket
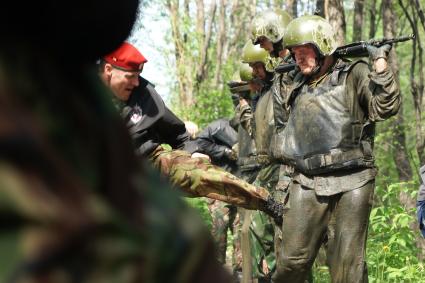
[[137, 115]]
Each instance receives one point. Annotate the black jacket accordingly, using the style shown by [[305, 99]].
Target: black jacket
[[214, 140], [150, 122]]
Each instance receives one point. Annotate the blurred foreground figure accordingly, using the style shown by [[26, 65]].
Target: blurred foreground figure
[[70, 185]]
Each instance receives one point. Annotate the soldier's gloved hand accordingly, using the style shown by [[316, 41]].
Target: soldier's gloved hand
[[378, 56], [378, 52], [230, 154], [274, 209]]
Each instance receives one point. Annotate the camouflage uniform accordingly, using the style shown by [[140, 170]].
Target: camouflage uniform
[[223, 218], [70, 186], [260, 126]]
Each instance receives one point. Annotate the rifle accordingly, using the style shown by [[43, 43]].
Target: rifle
[[241, 89], [353, 50]]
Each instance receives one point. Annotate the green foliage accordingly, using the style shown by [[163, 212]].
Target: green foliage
[[321, 274], [209, 106], [392, 251], [210, 103], [391, 246], [201, 205]]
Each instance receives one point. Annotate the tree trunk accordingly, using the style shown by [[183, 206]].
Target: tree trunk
[[200, 21], [334, 13], [419, 103], [246, 247], [358, 20], [221, 38], [417, 86], [184, 82], [201, 69], [420, 12], [401, 157], [241, 17], [292, 8], [372, 16], [320, 8]]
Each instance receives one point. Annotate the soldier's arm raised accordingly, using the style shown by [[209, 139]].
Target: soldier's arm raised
[[378, 93]]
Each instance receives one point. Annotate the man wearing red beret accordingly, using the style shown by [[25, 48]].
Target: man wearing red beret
[[151, 124]]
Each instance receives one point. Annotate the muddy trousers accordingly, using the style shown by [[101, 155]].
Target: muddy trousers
[[343, 218]]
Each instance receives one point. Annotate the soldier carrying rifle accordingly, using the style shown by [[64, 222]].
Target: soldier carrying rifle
[[328, 140]]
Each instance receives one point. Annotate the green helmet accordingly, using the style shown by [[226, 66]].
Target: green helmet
[[238, 84], [311, 29], [245, 72], [254, 53], [270, 24]]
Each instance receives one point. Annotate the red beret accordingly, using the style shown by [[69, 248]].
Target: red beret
[[126, 57]]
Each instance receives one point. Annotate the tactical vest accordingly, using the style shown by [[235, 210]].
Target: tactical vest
[[264, 123], [322, 135], [247, 158], [280, 88]]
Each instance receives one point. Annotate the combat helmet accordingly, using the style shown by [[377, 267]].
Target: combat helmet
[[254, 53], [314, 30], [270, 24], [245, 72], [240, 78]]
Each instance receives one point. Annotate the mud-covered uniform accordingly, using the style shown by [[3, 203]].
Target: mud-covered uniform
[[329, 142]]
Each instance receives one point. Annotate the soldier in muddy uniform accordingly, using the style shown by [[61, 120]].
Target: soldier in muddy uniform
[[257, 120], [334, 105]]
